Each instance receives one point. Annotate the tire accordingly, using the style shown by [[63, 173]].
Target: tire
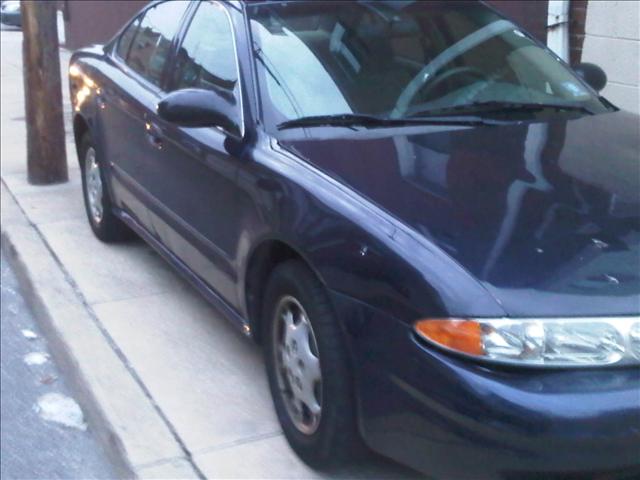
[[335, 439], [105, 225]]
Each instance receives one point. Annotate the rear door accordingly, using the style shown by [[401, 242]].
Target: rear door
[[192, 173], [139, 63]]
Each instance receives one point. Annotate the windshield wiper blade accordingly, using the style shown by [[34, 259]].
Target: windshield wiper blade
[[341, 120], [497, 106], [500, 107], [371, 121]]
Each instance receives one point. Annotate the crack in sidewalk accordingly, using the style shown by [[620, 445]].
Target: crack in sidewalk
[[111, 342], [240, 441]]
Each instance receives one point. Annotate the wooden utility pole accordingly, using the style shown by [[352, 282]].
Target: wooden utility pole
[[46, 155]]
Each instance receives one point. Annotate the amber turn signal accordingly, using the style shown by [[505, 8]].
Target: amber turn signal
[[454, 333]]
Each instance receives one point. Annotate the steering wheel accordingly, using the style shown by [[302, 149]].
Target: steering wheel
[[421, 81]]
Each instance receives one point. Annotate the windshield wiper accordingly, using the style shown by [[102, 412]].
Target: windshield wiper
[[350, 120], [500, 107]]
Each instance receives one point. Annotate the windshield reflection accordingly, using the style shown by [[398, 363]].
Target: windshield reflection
[[393, 59]]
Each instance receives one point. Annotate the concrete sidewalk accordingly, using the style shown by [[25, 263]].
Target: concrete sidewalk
[[177, 391]]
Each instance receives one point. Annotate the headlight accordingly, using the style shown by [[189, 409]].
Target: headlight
[[566, 342]]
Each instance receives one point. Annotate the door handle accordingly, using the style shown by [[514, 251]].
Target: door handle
[[154, 135]]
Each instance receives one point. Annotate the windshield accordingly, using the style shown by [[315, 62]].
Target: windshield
[[399, 59]]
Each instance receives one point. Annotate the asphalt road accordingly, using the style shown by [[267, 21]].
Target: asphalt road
[[35, 399]]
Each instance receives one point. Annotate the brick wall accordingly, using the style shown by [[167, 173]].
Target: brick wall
[[577, 22], [532, 15], [95, 21]]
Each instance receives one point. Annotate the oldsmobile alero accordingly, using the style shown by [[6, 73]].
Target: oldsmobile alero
[[428, 220]]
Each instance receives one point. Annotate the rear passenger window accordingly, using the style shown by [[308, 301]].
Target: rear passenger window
[[207, 58], [151, 45]]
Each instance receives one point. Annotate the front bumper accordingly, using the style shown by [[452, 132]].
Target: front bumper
[[455, 419]]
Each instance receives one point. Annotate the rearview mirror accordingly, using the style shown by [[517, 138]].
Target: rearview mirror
[[592, 74], [193, 107]]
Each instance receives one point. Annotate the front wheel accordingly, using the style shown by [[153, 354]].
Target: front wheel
[[308, 368]]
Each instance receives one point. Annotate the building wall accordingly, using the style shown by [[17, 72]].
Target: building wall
[[612, 41], [532, 15], [577, 22], [95, 21]]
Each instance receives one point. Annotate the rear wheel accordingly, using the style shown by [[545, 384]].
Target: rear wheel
[[308, 368], [104, 223]]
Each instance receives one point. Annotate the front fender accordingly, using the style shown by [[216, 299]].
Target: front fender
[[356, 248]]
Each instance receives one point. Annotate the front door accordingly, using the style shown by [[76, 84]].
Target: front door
[[190, 172]]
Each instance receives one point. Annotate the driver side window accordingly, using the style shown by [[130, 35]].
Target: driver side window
[[207, 58]]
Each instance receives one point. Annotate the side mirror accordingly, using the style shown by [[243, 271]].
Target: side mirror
[[193, 107], [592, 74]]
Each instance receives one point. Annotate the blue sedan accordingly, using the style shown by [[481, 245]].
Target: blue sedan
[[428, 220]]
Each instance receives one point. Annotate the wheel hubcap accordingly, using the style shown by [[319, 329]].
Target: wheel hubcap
[[93, 182], [298, 365]]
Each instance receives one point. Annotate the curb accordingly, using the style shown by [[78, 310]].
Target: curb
[[137, 438]]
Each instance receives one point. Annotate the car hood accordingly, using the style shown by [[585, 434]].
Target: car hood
[[545, 215]]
